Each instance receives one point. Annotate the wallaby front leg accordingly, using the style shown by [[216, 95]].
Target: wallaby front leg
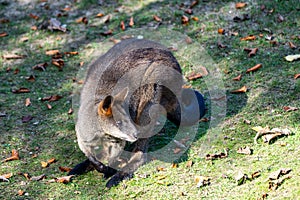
[[138, 158], [100, 167], [82, 168]]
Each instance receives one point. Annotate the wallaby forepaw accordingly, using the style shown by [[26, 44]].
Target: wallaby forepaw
[[117, 178], [81, 168]]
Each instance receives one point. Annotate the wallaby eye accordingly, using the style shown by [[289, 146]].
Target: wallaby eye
[[119, 123]]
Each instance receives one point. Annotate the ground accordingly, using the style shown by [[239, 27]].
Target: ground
[[45, 129]]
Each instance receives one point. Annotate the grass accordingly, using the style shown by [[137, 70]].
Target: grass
[[51, 132]]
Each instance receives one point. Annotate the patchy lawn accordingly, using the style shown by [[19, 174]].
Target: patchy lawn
[[212, 167]]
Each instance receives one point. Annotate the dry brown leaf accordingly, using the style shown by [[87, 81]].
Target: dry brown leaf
[[31, 78], [273, 185], [52, 98], [16, 71], [248, 38], [64, 179], [241, 178], [44, 164], [27, 176], [245, 150], [38, 178], [52, 160], [217, 156], [65, 169], [13, 56], [255, 174], [7, 176], [71, 53], [241, 90], [70, 112], [106, 33], [82, 20], [27, 102], [296, 76], [269, 134], [122, 26], [237, 78], [205, 119], [188, 11], [251, 52], [240, 5], [254, 68], [4, 20], [34, 28], [21, 90], [174, 165], [194, 76], [3, 34], [184, 20], [52, 52], [100, 15], [189, 163], [156, 18], [14, 156], [292, 46], [202, 181], [58, 63], [41, 66], [21, 192], [160, 169], [221, 31], [131, 22], [289, 108], [194, 3], [33, 16], [195, 18]]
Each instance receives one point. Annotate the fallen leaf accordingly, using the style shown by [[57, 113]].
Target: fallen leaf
[[292, 46], [194, 3], [205, 119], [221, 31], [13, 56], [21, 90], [4, 20], [156, 18], [275, 175], [122, 26], [52, 52], [188, 11], [131, 22], [184, 20], [255, 174], [30, 78], [3, 34], [27, 102], [33, 16], [26, 118], [189, 163], [202, 181], [195, 18], [71, 53], [217, 156], [52, 160], [292, 58], [254, 68], [280, 18], [64, 169], [273, 185], [296, 76], [64, 179], [246, 121], [241, 178], [58, 63], [3, 179], [251, 52], [188, 40], [14, 156], [41, 66], [289, 108], [44, 164], [240, 5], [106, 33], [34, 28], [174, 165], [27, 176], [82, 20], [194, 76], [38, 178], [100, 15], [70, 112], [16, 71], [245, 150], [52, 98], [21, 192], [7, 176], [248, 38], [237, 78], [241, 90], [269, 134], [160, 169]]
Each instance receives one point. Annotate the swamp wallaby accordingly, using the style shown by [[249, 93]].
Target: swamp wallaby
[[125, 92]]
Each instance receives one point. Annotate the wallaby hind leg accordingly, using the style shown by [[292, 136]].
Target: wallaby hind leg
[[138, 159]]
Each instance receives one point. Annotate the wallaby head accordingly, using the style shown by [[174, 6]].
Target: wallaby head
[[115, 117]]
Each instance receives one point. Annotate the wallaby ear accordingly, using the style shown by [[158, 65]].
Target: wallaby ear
[[121, 96], [104, 107]]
